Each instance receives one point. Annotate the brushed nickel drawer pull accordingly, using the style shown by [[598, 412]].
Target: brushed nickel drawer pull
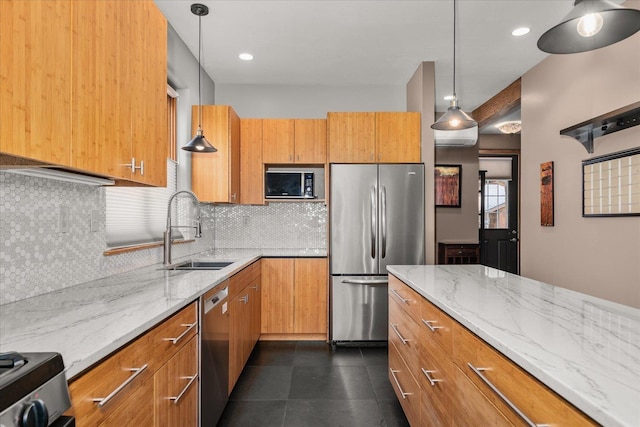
[[403, 339], [478, 372], [432, 381], [404, 301], [189, 327], [191, 379], [393, 374], [430, 326], [101, 401], [255, 287]]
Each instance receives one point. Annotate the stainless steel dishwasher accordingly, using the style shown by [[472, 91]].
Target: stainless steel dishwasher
[[214, 356]]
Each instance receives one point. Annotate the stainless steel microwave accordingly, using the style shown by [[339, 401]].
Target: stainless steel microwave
[[288, 184]]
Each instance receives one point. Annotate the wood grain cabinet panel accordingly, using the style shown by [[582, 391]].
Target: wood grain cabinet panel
[[278, 141], [310, 141], [472, 408], [172, 334], [404, 385], [277, 295], [310, 293], [436, 325], [136, 410], [437, 384], [215, 177], [398, 137], [251, 166], [407, 298], [351, 137], [405, 334], [35, 88]]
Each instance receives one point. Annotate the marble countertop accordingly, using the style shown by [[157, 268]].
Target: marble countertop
[[584, 348], [87, 322]]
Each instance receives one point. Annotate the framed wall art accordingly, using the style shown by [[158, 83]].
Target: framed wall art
[[546, 194], [448, 191], [611, 184]]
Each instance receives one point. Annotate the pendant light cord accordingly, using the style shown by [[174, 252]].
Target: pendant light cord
[[199, 72], [454, 49]]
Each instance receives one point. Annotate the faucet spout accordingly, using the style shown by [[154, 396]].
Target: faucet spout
[[168, 237]]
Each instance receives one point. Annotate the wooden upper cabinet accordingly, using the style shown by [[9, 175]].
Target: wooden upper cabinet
[[277, 140], [35, 89], [251, 168], [310, 141], [215, 177], [351, 137], [398, 137]]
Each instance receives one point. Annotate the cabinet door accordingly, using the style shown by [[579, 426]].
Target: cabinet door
[[239, 326], [35, 89], [277, 295], [137, 410], [310, 290], [251, 168], [256, 309], [147, 51], [277, 140], [310, 141], [472, 408], [398, 137], [215, 177], [351, 137], [176, 389], [101, 131]]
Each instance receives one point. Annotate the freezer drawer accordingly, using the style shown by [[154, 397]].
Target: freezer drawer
[[359, 309]]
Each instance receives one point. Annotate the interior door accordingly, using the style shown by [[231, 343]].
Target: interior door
[[499, 201]]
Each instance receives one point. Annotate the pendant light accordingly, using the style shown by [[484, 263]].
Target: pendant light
[[591, 24], [454, 118], [199, 143]]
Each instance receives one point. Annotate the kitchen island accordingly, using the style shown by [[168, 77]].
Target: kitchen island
[[87, 322], [585, 349]]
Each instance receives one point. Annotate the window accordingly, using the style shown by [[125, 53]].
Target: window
[[138, 215], [496, 204]]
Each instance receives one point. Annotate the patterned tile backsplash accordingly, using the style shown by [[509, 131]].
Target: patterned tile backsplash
[[38, 256]]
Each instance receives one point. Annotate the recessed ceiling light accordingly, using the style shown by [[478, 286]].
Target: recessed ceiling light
[[245, 56], [520, 31], [448, 97]]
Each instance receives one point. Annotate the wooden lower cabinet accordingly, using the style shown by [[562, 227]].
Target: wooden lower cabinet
[[294, 298], [136, 410], [472, 408], [404, 385]]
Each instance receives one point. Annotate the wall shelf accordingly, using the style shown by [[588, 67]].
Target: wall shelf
[[605, 124]]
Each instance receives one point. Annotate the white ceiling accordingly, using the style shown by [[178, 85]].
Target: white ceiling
[[363, 42]]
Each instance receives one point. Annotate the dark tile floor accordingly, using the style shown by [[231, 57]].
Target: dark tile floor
[[306, 383]]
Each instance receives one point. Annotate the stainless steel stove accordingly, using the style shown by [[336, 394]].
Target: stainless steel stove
[[33, 390]]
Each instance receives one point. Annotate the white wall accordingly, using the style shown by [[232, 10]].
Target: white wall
[[597, 256], [285, 101]]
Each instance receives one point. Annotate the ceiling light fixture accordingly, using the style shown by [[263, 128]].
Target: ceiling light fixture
[[520, 31], [454, 118], [591, 24], [199, 143], [510, 127], [245, 56], [448, 97]]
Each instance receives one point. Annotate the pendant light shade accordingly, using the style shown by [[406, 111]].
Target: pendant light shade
[[454, 118], [199, 143], [591, 24]]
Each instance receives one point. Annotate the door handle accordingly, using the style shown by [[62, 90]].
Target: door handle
[[374, 222], [383, 221], [513, 239], [366, 281]]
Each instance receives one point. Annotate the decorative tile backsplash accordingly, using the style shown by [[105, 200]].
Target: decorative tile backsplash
[[38, 254]]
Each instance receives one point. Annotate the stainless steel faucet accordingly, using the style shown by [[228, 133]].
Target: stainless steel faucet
[[168, 238]]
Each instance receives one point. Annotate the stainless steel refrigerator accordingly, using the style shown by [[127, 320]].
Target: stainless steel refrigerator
[[377, 219]]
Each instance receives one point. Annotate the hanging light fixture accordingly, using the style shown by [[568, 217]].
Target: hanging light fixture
[[199, 143], [454, 118], [591, 24]]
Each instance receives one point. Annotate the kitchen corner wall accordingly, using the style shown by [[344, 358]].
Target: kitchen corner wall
[[597, 256]]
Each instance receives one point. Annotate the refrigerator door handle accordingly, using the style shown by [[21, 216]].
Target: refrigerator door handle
[[383, 221], [374, 224], [366, 281]]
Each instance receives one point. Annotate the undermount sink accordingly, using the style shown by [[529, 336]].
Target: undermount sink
[[199, 265]]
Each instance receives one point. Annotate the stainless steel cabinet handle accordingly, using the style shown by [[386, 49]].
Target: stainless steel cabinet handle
[[255, 287], [395, 329], [366, 281], [191, 379], [405, 301], [383, 209], [374, 221], [432, 381], [245, 299], [101, 401], [393, 374], [431, 327], [478, 372], [189, 327], [133, 166]]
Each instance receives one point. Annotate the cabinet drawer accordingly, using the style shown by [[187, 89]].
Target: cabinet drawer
[[437, 325], [482, 364], [437, 384], [472, 408], [405, 334], [405, 386], [113, 380], [173, 333], [460, 252], [406, 297], [241, 279]]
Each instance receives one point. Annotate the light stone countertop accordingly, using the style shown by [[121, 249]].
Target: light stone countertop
[[87, 322], [584, 348]]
